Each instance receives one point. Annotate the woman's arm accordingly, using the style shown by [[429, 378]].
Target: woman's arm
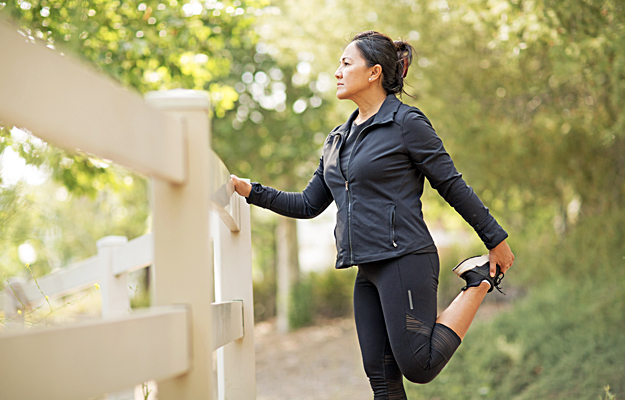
[[427, 152], [315, 198]]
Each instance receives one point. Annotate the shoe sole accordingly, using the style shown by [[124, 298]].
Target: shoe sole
[[471, 263]]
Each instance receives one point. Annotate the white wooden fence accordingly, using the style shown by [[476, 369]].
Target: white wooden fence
[[197, 339]]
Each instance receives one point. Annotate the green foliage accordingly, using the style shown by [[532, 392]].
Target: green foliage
[[263, 264], [608, 394], [332, 292], [206, 46], [565, 340], [85, 200], [300, 306], [62, 227], [555, 345], [322, 295], [524, 94], [263, 137], [524, 97], [147, 45]]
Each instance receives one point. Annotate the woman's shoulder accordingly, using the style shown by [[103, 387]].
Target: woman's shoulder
[[412, 115]]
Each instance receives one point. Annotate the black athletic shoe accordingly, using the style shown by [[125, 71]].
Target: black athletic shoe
[[474, 270]]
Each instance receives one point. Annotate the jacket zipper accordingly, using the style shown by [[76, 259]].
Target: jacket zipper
[[393, 225], [349, 197]]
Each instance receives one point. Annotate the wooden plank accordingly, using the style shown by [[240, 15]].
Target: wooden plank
[[87, 360], [136, 254], [67, 103], [227, 322], [66, 281]]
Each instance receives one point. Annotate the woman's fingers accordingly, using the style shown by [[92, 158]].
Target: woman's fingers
[[501, 255], [240, 186]]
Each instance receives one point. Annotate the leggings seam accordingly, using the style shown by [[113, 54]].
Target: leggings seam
[[406, 336]]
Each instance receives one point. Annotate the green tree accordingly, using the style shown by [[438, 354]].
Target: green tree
[[273, 135], [145, 46], [524, 94], [207, 46]]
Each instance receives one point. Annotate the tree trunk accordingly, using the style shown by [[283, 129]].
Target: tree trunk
[[287, 269]]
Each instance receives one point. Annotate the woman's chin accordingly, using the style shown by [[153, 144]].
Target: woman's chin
[[340, 94]]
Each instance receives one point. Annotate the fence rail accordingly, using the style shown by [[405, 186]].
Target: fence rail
[[201, 285], [77, 360], [63, 99]]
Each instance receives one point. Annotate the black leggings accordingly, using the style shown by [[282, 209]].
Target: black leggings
[[395, 312]]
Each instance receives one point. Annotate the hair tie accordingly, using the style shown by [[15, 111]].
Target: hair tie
[[405, 71]]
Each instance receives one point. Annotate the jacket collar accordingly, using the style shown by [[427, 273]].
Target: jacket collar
[[385, 114]]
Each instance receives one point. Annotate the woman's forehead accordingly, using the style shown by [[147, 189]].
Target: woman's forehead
[[351, 51]]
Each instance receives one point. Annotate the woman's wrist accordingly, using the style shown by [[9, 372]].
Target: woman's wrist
[[246, 188]]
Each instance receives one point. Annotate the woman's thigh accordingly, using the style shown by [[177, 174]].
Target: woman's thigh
[[407, 289]]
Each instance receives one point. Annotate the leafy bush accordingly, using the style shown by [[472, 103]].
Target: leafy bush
[[332, 292], [564, 340], [326, 294], [301, 306]]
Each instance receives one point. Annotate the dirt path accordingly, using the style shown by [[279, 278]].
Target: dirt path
[[313, 363], [320, 362]]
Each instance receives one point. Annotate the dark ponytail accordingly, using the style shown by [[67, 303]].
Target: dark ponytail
[[393, 56]]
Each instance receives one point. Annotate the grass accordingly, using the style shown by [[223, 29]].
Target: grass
[[564, 340]]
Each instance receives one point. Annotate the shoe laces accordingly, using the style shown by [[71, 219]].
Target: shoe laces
[[497, 281]]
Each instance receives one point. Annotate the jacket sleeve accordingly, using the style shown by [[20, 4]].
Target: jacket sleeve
[[428, 154], [315, 198]]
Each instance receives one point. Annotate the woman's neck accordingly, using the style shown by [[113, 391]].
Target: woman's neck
[[369, 106]]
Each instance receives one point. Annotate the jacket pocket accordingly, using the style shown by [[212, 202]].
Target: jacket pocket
[[392, 226]]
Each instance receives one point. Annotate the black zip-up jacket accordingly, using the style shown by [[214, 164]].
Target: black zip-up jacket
[[379, 204]]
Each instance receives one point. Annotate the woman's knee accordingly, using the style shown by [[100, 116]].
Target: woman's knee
[[419, 370], [420, 375]]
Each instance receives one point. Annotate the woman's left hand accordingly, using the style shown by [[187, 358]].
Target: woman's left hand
[[500, 255], [240, 186]]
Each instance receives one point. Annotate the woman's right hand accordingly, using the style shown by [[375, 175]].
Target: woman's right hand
[[240, 186]]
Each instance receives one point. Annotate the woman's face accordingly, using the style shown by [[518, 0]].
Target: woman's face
[[352, 76]]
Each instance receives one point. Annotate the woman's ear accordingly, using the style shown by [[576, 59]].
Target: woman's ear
[[376, 72]]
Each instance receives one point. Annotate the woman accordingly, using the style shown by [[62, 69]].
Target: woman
[[373, 166]]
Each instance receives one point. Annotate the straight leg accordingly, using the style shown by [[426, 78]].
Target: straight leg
[[380, 366]]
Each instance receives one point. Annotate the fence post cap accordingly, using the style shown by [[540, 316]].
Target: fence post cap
[[179, 100], [111, 241]]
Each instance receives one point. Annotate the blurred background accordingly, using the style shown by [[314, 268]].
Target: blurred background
[[526, 95]]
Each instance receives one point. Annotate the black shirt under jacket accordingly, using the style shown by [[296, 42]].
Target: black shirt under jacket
[[379, 203]]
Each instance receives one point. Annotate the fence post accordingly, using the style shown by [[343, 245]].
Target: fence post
[[114, 292], [114, 289], [236, 365], [183, 257]]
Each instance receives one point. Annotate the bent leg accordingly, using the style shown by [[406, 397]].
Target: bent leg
[[459, 315], [407, 288]]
